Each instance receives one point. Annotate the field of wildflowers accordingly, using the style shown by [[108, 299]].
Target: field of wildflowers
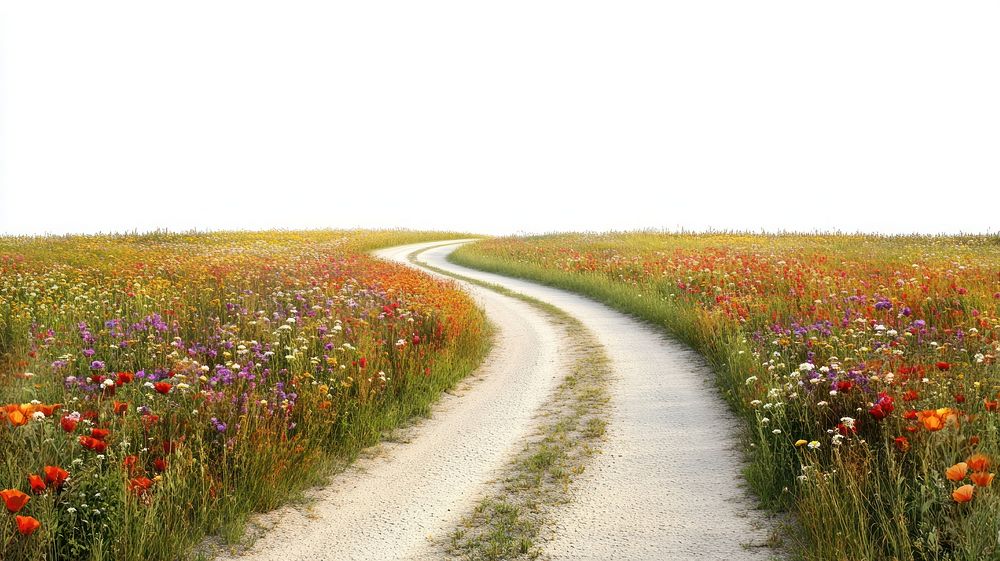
[[864, 367], [157, 389]]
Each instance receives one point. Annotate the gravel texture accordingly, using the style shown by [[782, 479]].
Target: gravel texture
[[394, 502], [668, 483]]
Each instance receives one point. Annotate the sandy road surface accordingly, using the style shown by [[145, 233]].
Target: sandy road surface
[[665, 487], [667, 484], [385, 507]]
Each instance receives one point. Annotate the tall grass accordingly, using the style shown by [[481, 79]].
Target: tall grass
[[186, 381], [862, 367]]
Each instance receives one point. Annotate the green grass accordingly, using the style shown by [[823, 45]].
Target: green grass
[[864, 496]]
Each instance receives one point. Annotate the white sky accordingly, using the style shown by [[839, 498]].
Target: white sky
[[500, 116]]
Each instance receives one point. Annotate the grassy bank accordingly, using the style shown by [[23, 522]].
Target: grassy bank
[[162, 388], [863, 369]]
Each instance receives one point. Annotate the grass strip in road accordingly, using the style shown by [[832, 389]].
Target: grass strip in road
[[511, 521]]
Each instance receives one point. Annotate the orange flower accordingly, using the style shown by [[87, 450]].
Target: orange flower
[[55, 475], [932, 423], [37, 483], [120, 407], [963, 494], [978, 462], [48, 410], [27, 525], [14, 499], [957, 472], [17, 418], [981, 478]]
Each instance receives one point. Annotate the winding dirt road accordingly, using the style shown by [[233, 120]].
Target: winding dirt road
[[667, 485], [387, 506]]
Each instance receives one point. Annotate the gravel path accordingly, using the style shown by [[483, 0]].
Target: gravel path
[[667, 485], [388, 505]]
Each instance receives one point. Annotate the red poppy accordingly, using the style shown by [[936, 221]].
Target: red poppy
[[68, 423], [979, 462], [119, 407], [123, 378], [911, 395], [100, 434], [943, 366], [844, 386], [160, 465], [14, 499], [959, 398], [162, 387], [362, 362], [91, 443], [902, 444], [847, 430], [37, 483], [27, 525], [55, 475], [990, 405], [139, 485], [981, 478], [129, 463]]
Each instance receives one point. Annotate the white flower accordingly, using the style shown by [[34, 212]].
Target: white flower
[[37, 416], [750, 380], [813, 445]]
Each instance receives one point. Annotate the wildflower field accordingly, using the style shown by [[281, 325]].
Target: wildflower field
[[864, 368], [157, 389]]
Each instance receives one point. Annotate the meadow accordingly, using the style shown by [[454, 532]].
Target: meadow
[[862, 367], [155, 390]]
